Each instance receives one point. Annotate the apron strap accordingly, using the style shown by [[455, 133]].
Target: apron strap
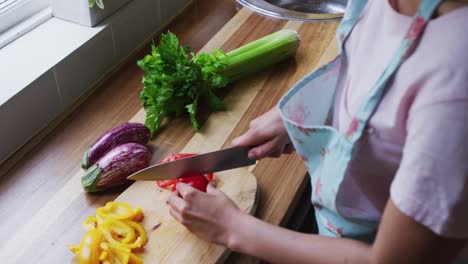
[[353, 12], [408, 45], [349, 20]]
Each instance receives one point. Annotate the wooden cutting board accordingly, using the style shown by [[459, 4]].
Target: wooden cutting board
[[171, 242]]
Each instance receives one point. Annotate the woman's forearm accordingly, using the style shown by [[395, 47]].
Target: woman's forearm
[[215, 218], [278, 245]]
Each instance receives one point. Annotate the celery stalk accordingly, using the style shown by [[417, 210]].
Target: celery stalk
[[259, 54]]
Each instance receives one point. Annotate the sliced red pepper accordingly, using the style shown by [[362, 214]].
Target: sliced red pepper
[[166, 183], [196, 181], [175, 156], [208, 176]]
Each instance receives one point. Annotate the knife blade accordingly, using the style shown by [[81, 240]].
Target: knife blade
[[220, 160]]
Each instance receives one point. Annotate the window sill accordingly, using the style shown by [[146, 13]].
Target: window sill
[[47, 70], [25, 26]]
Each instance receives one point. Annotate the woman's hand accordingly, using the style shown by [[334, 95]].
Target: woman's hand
[[209, 215], [267, 135]]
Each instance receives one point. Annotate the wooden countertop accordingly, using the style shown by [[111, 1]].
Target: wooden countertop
[[37, 179]]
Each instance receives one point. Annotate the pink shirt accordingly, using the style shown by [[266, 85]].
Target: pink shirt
[[415, 148]]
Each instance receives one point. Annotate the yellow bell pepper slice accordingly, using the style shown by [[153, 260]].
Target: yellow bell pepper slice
[[116, 231], [138, 214], [99, 220], [111, 235], [116, 210], [90, 223], [116, 253], [74, 248], [108, 246], [137, 230], [103, 256], [141, 235], [134, 259], [90, 252]]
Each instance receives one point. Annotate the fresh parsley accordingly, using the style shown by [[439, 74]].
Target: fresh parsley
[[177, 79]]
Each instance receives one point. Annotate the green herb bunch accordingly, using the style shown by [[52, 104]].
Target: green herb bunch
[[177, 80]]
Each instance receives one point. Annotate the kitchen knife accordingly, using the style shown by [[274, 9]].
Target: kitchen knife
[[215, 161]]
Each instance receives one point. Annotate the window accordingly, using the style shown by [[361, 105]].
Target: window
[[17, 17]]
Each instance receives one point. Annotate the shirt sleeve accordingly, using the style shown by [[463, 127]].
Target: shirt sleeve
[[431, 184]]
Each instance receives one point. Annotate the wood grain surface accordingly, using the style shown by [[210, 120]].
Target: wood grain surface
[[171, 242], [41, 210]]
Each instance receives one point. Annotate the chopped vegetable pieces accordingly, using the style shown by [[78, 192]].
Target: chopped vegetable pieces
[[111, 236], [196, 181]]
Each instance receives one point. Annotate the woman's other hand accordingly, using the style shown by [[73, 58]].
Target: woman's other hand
[[211, 215], [267, 136]]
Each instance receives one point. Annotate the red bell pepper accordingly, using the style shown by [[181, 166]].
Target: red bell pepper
[[196, 181]]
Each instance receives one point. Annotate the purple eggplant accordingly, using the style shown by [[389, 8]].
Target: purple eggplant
[[121, 134], [115, 166]]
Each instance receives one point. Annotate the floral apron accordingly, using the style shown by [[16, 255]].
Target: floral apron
[[326, 151]]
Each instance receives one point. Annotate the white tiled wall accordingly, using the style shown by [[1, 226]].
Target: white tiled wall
[[79, 65]]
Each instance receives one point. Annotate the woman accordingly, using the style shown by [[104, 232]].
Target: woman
[[390, 176]]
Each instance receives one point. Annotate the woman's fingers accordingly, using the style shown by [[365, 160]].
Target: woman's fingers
[[258, 132], [176, 215], [181, 209], [186, 191], [176, 203], [243, 140], [207, 215], [211, 189], [266, 135], [252, 137], [263, 143], [288, 149], [264, 150]]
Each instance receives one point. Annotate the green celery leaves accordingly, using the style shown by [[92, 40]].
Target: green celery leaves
[[176, 80]]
